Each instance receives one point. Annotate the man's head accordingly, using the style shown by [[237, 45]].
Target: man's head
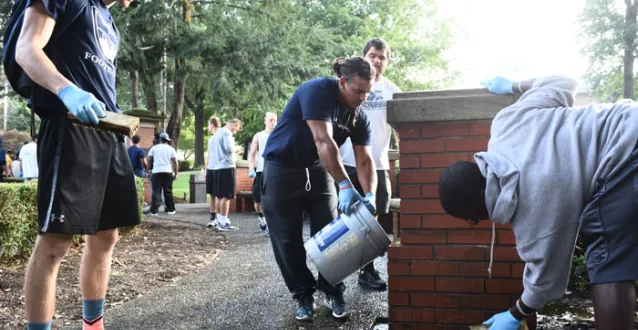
[[34, 138], [135, 139], [164, 138], [11, 154], [270, 121], [213, 124], [355, 80], [462, 192], [377, 51], [234, 125]]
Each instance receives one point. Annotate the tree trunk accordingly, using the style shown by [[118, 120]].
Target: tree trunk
[[149, 92], [135, 101], [174, 126], [629, 39], [199, 134]]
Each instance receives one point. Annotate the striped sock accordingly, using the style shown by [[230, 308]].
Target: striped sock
[[39, 326]]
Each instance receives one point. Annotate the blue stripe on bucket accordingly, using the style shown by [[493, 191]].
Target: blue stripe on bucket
[[330, 234]]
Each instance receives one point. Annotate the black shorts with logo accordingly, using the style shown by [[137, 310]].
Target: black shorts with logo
[[86, 182], [609, 225], [210, 181], [225, 183]]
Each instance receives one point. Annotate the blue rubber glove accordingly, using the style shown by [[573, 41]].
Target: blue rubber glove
[[347, 196], [503, 321], [370, 201], [252, 173], [20, 176], [83, 105], [499, 85]]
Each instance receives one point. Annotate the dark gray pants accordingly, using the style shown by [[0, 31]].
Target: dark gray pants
[[285, 194]]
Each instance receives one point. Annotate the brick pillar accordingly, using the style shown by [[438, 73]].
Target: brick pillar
[[438, 275]]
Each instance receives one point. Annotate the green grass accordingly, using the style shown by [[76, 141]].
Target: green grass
[[181, 185]]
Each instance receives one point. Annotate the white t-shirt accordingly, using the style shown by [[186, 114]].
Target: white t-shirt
[[262, 138], [29, 158], [212, 158], [162, 154], [375, 108]]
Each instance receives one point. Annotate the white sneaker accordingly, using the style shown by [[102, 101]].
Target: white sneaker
[[171, 212], [212, 224], [227, 227]]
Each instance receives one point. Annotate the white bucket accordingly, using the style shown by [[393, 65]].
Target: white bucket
[[347, 243]]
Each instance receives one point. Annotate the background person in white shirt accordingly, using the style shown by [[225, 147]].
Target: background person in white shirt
[[163, 160], [377, 52], [29, 160], [256, 164], [209, 171], [225, 158]]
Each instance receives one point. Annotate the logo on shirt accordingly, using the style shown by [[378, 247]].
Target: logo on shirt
[[375, 101], [105, 36]]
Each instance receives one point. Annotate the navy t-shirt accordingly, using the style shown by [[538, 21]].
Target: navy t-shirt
[[136, 154], [291, 143], [83, 48]]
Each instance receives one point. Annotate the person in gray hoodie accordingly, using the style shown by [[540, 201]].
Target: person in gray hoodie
[[550, 169]]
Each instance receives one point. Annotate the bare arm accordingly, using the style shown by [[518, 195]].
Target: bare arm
[[523, 86], [327, 149], [366, 171], [252, 156], [150, 162], [174, 163], [36, 33], [396, 136], [145, 164]]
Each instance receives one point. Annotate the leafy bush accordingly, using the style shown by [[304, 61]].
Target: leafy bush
[[579, 277], [19, 218], [184, 165]]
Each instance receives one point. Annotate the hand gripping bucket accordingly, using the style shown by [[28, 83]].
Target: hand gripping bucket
[[347, 243]]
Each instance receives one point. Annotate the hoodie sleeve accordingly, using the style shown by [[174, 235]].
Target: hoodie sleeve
[[550, 92], [548, 263]]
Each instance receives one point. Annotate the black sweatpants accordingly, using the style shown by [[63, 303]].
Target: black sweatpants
[[285, 194], [159, 182]]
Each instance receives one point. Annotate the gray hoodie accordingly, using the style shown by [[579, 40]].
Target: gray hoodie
[[542, 163]]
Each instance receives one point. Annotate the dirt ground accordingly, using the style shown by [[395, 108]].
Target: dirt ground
[[156, 254]]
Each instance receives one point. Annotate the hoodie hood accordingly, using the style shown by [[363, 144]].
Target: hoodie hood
[[501, 189]]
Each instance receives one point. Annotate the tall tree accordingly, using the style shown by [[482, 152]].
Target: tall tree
[[610, 45]]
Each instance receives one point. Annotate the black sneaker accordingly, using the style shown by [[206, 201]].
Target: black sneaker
[[372, 280], [305, 308], [337, 305]]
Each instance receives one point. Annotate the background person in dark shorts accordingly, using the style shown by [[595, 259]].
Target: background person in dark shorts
[[548, 169], [376, 51], [163, 158], [209, 171], [225, 158], [137, 158], [256, 164], [86, 185], [302, 163]]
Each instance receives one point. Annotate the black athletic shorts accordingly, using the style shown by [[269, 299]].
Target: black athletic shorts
[[609, 225], [257, 188], [86, 182], [210, 181], [384, 188], [225, 183]]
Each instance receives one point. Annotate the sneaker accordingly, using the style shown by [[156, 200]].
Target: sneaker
[[337, 305], [171, 212], [228, 227], [372, 280], [305, 307], [212, 223], [262, 224], [96, 324], [267, 232]]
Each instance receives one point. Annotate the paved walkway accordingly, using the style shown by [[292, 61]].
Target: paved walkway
[[241, 289]]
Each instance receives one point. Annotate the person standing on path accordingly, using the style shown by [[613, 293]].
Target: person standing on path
[[163, 159], [256, 164], [29, 160], [138, 158], [68, 48], [225, 159], [210, 173], [376, 51], [302, 163]]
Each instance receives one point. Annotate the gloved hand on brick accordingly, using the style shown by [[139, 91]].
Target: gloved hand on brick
[[503, 321], [499, 85], [251, 173], [83, 105]]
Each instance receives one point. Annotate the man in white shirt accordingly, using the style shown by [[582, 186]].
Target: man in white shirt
[[256, 164], [163, 161], [225, 159], [29, 160], [377, 52]]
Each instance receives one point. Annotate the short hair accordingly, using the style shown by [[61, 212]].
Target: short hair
[[270, 114], [236, 121], [460, 186], [377, 43], [136, 139], [357, 66], [215, 122]]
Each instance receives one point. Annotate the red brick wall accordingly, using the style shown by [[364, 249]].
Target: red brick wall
[[242, 183], [438, 270]]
